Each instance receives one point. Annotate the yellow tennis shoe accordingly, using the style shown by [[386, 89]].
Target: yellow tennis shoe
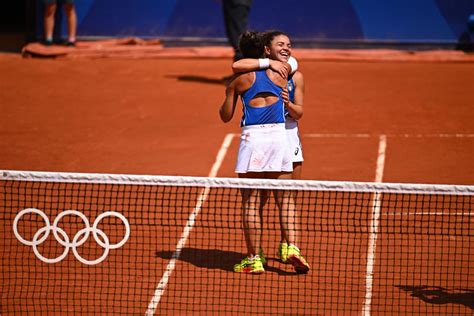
[[282, 253], [262, 257], [251, 266], [297, 260]]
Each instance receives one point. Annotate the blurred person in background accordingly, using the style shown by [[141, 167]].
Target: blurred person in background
[[236, 13], [49, 14]]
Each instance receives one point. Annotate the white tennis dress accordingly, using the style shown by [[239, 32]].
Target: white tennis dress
[[264, 145]]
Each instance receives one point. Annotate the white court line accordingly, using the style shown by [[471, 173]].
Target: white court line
[[161, 287], [429, 214], [337, 135], [362, 135], [434, 135], [381, 159], [374, 225]]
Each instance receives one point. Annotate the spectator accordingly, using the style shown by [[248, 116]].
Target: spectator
[[236, 14], [49, 14]]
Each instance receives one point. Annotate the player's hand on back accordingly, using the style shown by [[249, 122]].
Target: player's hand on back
[[283, 69]]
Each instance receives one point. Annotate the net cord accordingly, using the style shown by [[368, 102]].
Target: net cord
[[214, 182]]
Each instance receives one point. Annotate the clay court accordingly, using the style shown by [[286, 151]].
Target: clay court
[[366, 119], [160, 117]]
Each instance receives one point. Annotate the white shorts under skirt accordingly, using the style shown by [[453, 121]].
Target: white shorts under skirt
[[294, 140], [264, 148]]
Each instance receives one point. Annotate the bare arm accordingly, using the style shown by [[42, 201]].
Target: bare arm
[[245, 65], [250, 64], [227, 109]]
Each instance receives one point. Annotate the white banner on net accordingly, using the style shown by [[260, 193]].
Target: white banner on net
[[308, 185]]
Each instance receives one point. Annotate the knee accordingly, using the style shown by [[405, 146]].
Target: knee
[[69, 8], [50, 10]]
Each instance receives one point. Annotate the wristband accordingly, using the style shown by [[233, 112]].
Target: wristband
[[294, 64], [263, 63]]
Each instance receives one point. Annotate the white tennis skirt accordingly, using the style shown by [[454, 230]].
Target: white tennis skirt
[[294, 140], [264, 148]]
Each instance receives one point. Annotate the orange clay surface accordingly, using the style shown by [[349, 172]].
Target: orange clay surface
[[160, 117]]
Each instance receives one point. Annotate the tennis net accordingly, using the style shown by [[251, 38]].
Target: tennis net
[[123, 244]]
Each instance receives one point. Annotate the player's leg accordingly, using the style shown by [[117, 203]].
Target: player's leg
[[282, 252], [251, 220], [71, 15], [49, 13], [252, 229], [286, 206], [297, 170], [289, 225], [262, 202]]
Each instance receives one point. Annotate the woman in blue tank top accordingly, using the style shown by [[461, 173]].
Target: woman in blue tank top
[[286, 66], [264, 150]]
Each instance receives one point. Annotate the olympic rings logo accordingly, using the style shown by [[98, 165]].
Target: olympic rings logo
[[62, 238]]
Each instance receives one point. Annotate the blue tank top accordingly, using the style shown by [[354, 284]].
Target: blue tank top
[[291, 92], [270, 114], [291, 88]]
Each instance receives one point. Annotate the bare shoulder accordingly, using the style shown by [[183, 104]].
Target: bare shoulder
[[276, 78], [244, 81], [298, 76]]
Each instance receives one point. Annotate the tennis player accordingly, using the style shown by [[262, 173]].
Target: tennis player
[[281, 61], [264, 151]]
